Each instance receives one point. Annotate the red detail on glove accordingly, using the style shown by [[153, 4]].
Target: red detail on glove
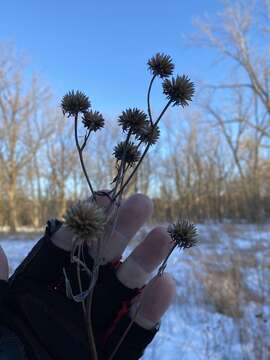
[[103, 338], [116, 263], [122, 312]]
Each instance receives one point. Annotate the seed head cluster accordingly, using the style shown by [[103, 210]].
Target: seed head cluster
[[86, 219], [75, 102], [149, 134], [183, 233], [127, 151], [132, 119], [161, 65], [93, 120], [179, 90]]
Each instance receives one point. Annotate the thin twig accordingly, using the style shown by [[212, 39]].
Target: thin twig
[[164, 263], [81, 158], [86, 137], [121, 172], [90, 327], [163, 112], [160, 273], [148, 99], [143, 155], [133, 172]]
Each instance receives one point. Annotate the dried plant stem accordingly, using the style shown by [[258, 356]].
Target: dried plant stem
[[163, 112], [123, 336], [85, 140], [164, 263], [121, 172], [133, 172], [160, 272], [88, 323], [143, 155], [95, 276], [140, 143], [80, 150], [79, 279], [148, 99], [94, 355]]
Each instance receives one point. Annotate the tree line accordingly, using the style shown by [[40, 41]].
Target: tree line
[[211, 163]]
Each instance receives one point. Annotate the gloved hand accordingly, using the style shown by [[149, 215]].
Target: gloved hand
[[36, 291]]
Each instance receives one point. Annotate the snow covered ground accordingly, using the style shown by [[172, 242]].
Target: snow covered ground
[[222, 308]]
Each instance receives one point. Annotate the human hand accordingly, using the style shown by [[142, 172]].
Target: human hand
[[132, 274]]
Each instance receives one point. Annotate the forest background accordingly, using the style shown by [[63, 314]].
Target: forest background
[[212, 161]]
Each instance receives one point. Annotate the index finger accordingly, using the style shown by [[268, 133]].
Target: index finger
[[132, 214]]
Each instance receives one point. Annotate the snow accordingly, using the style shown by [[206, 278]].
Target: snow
[[194, 328]]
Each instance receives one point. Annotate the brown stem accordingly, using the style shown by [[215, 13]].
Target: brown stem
[[94, 355], [81, 158], [148, 99], [164, 264], [133, 172], [121, 172], [86, 137], [79, 278], [162, 112], [123, 336], [160, 271], [143, 155]]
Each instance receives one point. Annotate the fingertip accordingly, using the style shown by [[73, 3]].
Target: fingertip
[[153, 249], [140, 203], [133, 213], [144, 201], [160, 290], [154, 301]]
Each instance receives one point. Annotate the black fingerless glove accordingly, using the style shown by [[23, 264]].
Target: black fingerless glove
[[57, 323]]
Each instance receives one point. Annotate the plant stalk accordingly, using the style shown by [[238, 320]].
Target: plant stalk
[[148, 99], [81, 158], [144, 153]]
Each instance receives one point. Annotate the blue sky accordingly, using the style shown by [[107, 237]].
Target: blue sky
[[101, 47]]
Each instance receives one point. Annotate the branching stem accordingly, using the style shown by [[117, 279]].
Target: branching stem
[[121, 171], [143, 155], [80, 150]]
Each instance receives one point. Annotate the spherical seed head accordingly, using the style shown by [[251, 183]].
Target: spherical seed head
[[179, 90], [75, 102], [149, 134], [86, 219], [132, 119], [93, 120], [161, 65], [127, 151], [183, 233]]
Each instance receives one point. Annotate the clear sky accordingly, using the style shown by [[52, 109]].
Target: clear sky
[[102, 47]]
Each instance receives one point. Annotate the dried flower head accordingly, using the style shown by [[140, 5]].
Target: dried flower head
[[179, 90], [132, 119], [93, 120], [128, 151], [149, 134], [75, 102], [183, 233], [161, 65], [86, 219]]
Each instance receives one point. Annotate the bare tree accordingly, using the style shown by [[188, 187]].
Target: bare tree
[[240, 106], [20, 136], [241, 34]]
